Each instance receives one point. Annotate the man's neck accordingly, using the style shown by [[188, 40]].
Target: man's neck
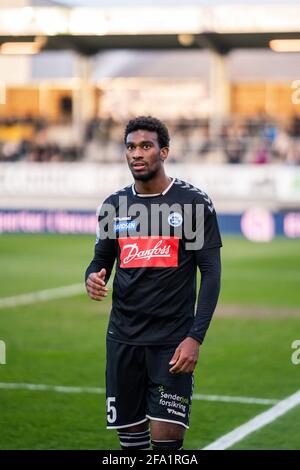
[[154, 186]]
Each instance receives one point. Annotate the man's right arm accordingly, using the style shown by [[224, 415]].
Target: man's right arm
[[99, 270]]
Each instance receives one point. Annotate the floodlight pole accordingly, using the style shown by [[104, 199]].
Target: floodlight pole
[[219, 91], [83, 93]]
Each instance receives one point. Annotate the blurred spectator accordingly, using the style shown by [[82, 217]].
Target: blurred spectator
[[295, 126], [261, 154], [234, 148]]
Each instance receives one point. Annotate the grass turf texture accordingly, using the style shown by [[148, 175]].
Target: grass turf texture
[[62, 342]]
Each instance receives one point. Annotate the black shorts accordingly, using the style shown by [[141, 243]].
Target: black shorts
[[139, 386]]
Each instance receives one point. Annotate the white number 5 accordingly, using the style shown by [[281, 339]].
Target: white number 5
[[111, 410]]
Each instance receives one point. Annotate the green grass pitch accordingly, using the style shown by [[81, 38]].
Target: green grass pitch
[[62, 342]]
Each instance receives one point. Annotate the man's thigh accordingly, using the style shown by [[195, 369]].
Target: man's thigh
[[169, 395], [126, 385]]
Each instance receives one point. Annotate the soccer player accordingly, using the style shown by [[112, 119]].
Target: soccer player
[[159, 230]]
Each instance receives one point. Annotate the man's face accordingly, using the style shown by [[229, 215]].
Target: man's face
[[144, 156]]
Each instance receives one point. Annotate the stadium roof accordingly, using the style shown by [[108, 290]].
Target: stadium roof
[[101, 3], [217, 25]]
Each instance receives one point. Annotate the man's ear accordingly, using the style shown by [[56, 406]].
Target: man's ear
[[164, 152]]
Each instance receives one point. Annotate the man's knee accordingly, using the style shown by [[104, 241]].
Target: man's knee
[[166, 436], [135, 437]]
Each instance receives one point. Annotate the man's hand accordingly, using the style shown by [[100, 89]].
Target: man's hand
[[185, 358], [95, 285]]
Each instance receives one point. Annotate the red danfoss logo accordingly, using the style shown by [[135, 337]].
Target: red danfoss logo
[[149, 252]]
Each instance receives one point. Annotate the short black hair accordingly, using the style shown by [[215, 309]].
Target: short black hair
[[149, 123]]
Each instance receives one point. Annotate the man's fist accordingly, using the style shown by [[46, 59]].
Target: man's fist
[[95, 285]]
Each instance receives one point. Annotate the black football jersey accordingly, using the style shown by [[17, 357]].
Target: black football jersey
[[152, 238]]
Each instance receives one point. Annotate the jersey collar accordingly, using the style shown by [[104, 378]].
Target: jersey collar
[[151, 195]]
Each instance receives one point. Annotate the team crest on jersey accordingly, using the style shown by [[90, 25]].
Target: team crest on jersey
[[149, 252], [175, 219]]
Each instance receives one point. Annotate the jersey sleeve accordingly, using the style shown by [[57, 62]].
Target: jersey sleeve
[[105, 249], [209, 263], [212, 237]]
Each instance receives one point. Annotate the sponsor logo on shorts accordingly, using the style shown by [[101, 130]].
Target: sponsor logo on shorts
[[173, 412], [175, 404], [149, 252]]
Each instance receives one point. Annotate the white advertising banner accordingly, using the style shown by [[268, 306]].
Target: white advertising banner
[[84, 185], [277, 183]]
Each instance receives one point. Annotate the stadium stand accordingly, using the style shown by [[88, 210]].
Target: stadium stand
[[256, 140]]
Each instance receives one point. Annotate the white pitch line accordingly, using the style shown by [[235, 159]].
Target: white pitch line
[[42, 295], [63, 389], [50, 388], [45, 295], [259, 421], [228, 399]]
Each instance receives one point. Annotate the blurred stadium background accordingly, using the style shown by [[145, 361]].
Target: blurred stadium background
[[225, 77]]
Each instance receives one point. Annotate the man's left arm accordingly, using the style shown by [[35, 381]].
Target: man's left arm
[[186, 354]]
